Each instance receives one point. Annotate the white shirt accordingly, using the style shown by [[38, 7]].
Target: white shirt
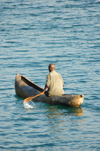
[[54, 83]]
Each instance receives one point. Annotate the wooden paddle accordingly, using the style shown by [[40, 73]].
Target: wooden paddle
[[30, 98]]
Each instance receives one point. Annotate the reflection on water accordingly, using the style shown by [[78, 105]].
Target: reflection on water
[[61, 119], [58, 111]]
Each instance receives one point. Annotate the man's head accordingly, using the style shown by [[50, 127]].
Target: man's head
[[51, 67]]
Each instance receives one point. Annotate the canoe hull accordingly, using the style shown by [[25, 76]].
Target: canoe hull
[[25, 88]]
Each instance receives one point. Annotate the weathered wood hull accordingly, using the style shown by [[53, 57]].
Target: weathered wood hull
[[25, 88]]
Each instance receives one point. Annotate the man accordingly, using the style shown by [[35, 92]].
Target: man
[[54, 82]]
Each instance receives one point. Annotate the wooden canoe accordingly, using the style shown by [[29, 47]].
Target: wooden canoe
[[26, 88]]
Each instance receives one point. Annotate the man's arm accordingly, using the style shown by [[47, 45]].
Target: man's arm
[[46, 87]]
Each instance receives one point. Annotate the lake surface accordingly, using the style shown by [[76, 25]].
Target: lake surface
[[34, 34]]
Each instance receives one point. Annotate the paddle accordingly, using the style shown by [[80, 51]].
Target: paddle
[[30, 98]]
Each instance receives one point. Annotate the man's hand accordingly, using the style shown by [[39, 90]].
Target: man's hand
[[44, 90]]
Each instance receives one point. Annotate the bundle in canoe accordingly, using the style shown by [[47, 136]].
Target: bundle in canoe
[[26, 88]]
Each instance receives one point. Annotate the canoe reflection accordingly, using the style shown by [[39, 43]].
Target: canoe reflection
[[61, 120], [56, 112]]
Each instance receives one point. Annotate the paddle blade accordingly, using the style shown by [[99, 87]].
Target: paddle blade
[[28, 99]]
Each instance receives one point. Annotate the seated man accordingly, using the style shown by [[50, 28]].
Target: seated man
[[54, 82]]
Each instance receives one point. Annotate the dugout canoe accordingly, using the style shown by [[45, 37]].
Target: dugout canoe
[[26, 88]]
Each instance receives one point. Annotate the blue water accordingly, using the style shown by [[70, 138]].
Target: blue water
[[34, 34]]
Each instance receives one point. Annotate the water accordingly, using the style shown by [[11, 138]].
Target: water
[[32, 35]]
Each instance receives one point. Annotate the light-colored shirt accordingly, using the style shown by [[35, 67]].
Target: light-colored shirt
[[55, 84]]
